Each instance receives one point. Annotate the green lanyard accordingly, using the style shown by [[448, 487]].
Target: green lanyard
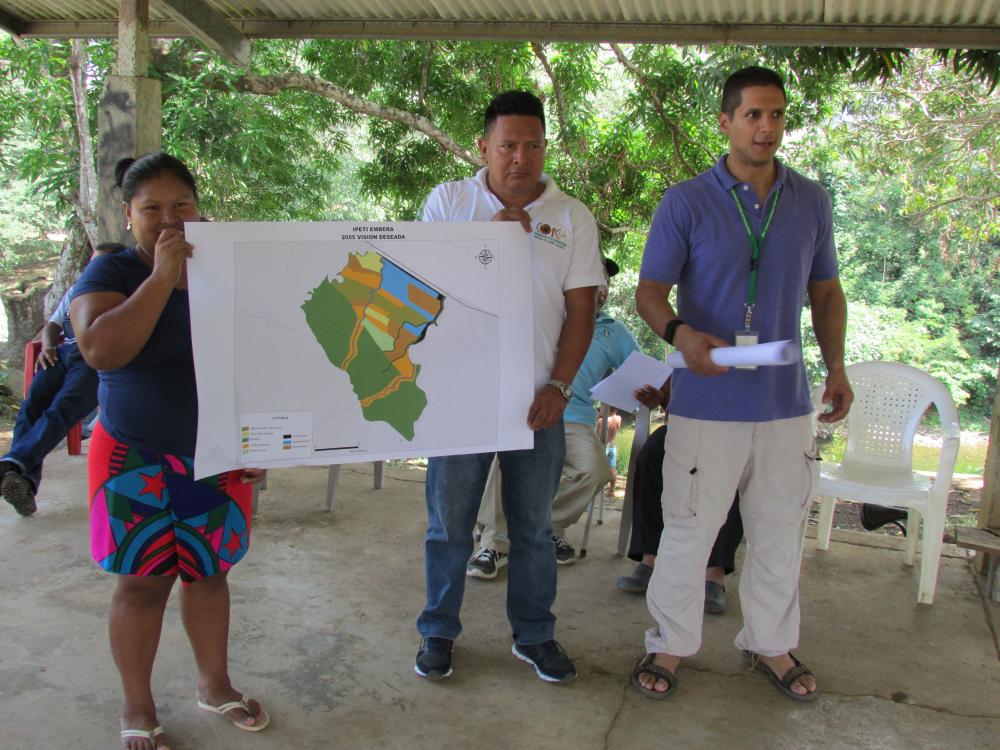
[[756, 242]]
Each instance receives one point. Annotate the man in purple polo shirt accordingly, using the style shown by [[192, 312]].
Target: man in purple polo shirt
[[745, 243]]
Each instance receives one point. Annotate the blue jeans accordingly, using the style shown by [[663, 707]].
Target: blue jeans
[[529, 479], [60, 396]]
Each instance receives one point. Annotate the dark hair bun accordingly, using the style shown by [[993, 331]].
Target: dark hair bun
[[121, 168]]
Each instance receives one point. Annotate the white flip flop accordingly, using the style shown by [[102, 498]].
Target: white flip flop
[[262, 719], [143, 734]]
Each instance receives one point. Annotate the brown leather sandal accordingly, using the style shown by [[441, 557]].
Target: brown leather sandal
[[784, 683], [646, 665]]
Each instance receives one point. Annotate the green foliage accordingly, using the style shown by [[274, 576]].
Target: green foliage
[[924, 340], [37, 119], [255, 158], [26, 217], [905, 142], [621, 306], [982, 64], [911, 167], [623, 442], [448, 82]]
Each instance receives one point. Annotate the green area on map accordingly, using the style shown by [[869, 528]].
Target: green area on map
[[366, 324]]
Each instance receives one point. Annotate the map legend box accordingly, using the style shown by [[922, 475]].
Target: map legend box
[[269, 435]]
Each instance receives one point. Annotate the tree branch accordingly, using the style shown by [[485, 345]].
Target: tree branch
[[274, 84], [76, 64], [675, 131], [539, 51], [564, 132], [424, 70], [583, 175], [988, 198]]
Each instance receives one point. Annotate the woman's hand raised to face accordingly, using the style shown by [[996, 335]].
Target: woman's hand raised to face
[[170, 253]]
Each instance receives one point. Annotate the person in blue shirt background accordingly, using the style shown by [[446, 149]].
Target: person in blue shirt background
[[585, 469]]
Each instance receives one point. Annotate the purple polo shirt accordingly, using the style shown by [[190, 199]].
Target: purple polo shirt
[[698, 242]]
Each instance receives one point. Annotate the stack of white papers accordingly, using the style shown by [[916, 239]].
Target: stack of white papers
[[618, 389]]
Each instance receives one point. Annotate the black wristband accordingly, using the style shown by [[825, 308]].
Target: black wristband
[[671, 329]]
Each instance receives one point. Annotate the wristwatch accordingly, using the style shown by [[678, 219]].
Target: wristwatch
[[671, 329], [564, 388]]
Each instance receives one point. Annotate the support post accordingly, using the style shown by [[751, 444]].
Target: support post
[[989, 503], [128, 120]]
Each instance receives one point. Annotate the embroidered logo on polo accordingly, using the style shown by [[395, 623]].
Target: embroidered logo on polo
[[552, 234]]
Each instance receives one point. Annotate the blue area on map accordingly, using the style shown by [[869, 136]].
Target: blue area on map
[[395, 281]]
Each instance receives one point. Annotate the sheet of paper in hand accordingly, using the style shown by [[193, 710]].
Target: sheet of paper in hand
[[618, 389]]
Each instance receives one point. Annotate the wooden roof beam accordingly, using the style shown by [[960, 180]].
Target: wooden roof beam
[[211, 28], [805, 35], [11, 24]]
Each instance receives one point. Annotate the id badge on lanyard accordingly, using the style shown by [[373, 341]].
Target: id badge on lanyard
[[747, 336]]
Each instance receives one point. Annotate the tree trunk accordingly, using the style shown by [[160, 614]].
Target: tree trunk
[[87, 203], [82, 234], [72, 258], [989, 504], [24, 305]]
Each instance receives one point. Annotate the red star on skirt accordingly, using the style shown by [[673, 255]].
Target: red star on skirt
[[235, 542], [154, 485]]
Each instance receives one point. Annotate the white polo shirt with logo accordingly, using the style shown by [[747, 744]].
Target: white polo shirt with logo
[[564, 250]]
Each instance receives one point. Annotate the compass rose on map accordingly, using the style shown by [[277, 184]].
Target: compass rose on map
[[485, 257]]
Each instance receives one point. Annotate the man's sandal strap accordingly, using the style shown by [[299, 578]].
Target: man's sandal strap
[[795, 673], [648, 666]]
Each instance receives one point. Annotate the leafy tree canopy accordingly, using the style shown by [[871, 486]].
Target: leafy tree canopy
[[906, 143]]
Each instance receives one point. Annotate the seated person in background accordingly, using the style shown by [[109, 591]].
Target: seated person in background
[[585, 468], [63, 392], [647, 518], [611, 450]]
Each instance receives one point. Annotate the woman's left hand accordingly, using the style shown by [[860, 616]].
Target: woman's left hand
[[253, 476]]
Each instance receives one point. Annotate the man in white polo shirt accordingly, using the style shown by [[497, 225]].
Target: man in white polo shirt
[[566, 269]]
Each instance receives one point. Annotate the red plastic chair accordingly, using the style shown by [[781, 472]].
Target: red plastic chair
[[74, 440]]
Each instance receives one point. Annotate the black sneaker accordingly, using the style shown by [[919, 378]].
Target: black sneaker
[[549, 660], [565, 554], [486, 564], [17, 490], [434, 658]]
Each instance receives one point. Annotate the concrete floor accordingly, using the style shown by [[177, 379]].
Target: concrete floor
[[323, 633]]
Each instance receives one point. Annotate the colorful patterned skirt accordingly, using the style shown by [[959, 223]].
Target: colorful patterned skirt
[[149, 517]]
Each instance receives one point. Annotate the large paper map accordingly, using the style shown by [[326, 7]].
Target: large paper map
[[386, 310], [331, 342]]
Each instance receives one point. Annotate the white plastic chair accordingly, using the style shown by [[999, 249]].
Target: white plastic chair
[[877, 468]]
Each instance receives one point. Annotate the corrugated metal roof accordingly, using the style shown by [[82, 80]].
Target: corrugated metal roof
[[974, 23]]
